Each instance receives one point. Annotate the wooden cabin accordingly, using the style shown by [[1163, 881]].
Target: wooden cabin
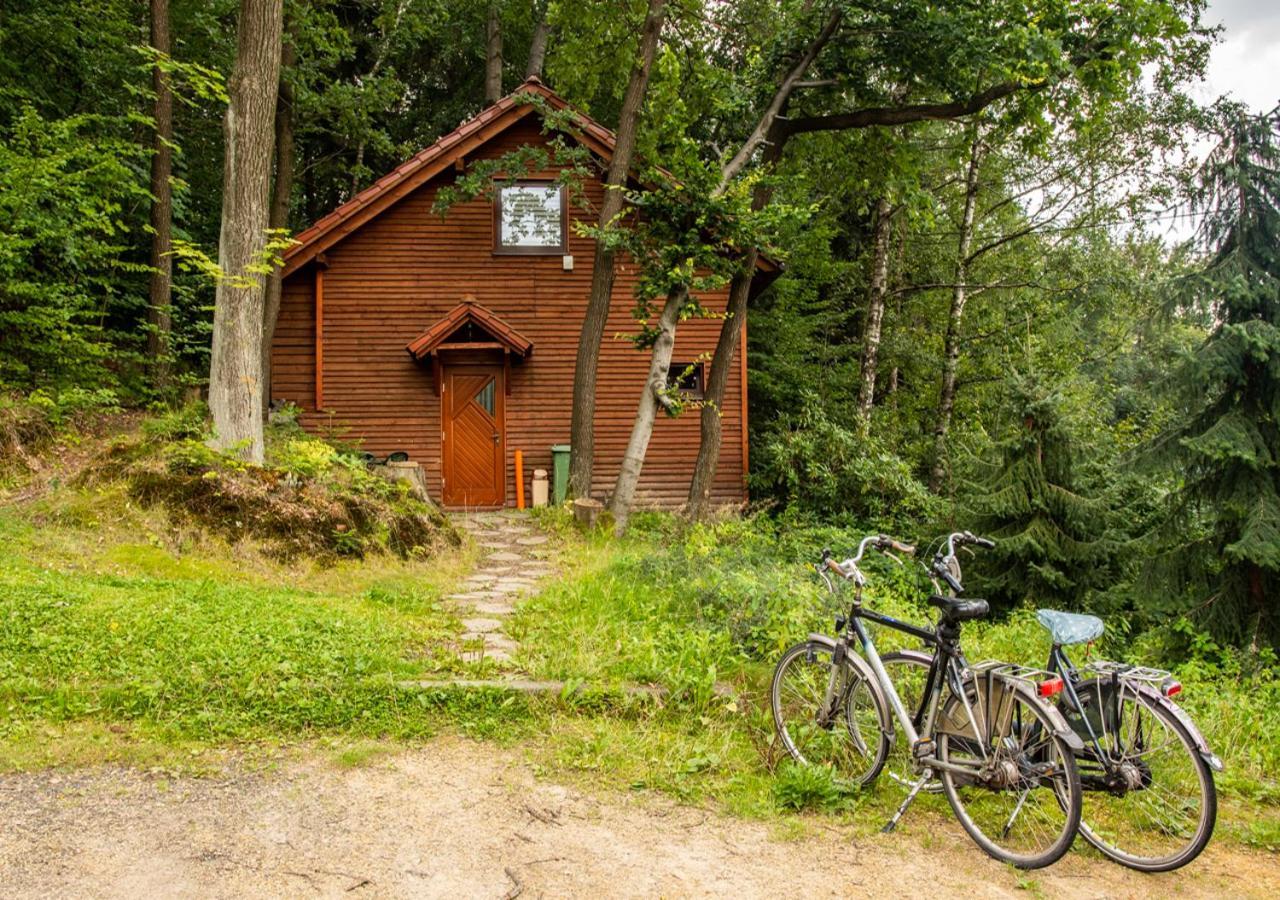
[[454, 338]]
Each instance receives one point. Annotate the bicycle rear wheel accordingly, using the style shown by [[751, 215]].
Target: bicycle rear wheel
[[1022, 802], [1152, 804], [850, 735]]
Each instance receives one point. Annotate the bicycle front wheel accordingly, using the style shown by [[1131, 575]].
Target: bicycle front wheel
[[829, 717], [1018, 794], [1150, 801]]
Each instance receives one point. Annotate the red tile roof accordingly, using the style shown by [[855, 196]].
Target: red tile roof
[[469, 311]]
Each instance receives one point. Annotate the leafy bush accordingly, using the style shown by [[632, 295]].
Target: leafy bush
[[808, 788], [812, 463], [307, 457]]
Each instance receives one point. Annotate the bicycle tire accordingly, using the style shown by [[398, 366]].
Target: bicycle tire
[[1095, 808], [796, 696], [1065, 780]]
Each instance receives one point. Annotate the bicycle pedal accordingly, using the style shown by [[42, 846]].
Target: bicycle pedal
[[923, 748]]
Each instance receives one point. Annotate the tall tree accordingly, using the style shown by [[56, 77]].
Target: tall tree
[[281, 191], [538, 42], [582, 427], [955, 317], [877, 289], [235, 371], [1224, 532], [159, 314], [493, 55]]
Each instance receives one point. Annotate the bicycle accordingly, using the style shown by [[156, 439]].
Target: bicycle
[[1146, 771], [1005, 757]]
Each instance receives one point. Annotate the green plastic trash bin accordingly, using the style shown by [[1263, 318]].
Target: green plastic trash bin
[[559, 473]]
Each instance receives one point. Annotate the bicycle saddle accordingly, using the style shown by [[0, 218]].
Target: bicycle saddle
[[959, 610], [1070, 628]]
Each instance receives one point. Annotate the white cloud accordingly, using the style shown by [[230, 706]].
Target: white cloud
[[1246, 64]]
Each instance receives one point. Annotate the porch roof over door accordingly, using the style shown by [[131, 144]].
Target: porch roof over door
[[437, 336]]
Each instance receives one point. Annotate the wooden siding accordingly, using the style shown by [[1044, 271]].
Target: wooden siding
[[401, 272]]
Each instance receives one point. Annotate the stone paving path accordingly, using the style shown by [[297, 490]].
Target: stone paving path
[[514, 559]]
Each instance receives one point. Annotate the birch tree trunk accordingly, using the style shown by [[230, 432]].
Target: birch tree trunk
[[582, 426], [624, 490], [278, 215], [876, 289], [959, 294], [538, 43], [235, 372], [160, 293], [493, 56]]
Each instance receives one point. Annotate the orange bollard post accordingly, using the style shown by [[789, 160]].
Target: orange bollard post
[[519, 479]]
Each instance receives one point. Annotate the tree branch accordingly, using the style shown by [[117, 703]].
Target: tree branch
[[904, 115], [769, 118]]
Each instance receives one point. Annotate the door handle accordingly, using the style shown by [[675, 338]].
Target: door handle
[[497, 438]]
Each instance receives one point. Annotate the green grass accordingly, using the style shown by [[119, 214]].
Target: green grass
[[125, 637]]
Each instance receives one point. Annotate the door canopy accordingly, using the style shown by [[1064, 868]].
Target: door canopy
[[469, 326]]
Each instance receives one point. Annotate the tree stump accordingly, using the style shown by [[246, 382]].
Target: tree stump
[[587, 512]]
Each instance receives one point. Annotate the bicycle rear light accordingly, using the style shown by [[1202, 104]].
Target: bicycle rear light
[[1171, 688], [1049, 687]]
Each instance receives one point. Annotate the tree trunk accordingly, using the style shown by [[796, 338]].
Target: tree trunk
[[538, 43], [582, 427], [493, 57], [278, 215], [959, 294], [235, 372], [624, 490], [876, 289], [159, 309]]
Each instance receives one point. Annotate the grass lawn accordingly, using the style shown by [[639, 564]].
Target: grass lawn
[[125, 637]]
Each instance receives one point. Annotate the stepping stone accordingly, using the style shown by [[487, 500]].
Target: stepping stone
[[499, 642], [511, 585], [495, 608], [482, 579], [498, 655], [502, 556], [533, 540], [494, 545], [474, 596], [480, 626]]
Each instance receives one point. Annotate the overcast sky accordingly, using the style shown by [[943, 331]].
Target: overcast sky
[[1246, 64]]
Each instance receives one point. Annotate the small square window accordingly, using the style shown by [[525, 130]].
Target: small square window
[[687, 378], [529, 217]]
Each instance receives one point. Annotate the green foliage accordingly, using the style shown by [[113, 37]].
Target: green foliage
[[815, 465], [808, 788], [66, 280], [1221, 547], [1055, 540]]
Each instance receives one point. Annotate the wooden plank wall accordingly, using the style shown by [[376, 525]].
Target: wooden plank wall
[[395, 277]]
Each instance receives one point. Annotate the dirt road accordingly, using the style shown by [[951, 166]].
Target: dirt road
[[457, 819]]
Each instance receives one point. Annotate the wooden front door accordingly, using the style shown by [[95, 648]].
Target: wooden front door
[[473, 435]]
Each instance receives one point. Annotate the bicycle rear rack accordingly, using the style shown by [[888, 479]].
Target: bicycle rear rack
[[1027, 675], [1127, 672]]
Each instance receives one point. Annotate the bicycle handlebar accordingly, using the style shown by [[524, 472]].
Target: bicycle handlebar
[[849, 568], [941, 563]]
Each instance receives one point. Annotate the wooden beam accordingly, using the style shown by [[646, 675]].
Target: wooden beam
[[437, 378], [506, 371], [320, 334], [472, 345]]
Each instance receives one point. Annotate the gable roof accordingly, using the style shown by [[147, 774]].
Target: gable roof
[[430, 162], [469, 311]]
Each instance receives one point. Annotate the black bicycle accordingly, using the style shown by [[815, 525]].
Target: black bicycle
[[1147, 772], [1005, 757]]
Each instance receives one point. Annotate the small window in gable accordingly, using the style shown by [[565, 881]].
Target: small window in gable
[[687, 378], [529, 217]]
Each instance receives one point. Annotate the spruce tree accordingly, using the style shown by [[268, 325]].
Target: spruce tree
[[1221, 556], [1053, 540]]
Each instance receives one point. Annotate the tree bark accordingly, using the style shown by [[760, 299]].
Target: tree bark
[[582, 426], [538, 43], [235, 372], [493, 56], [876, 289], [278, 215], [160, 294], [646, 413], [959, 294]]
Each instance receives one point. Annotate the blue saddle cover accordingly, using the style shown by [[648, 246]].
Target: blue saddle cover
[[1070, 628]]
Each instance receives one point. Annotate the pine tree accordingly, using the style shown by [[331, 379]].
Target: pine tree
[[1053, 540], [1222, 550]]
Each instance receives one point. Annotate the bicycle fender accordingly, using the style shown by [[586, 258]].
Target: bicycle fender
[[1201, 743], [864, 670], [1059, 722]]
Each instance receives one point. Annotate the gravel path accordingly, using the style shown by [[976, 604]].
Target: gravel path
[[459, 819]]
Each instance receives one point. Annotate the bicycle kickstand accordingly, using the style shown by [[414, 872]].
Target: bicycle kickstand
[[925, 777]]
